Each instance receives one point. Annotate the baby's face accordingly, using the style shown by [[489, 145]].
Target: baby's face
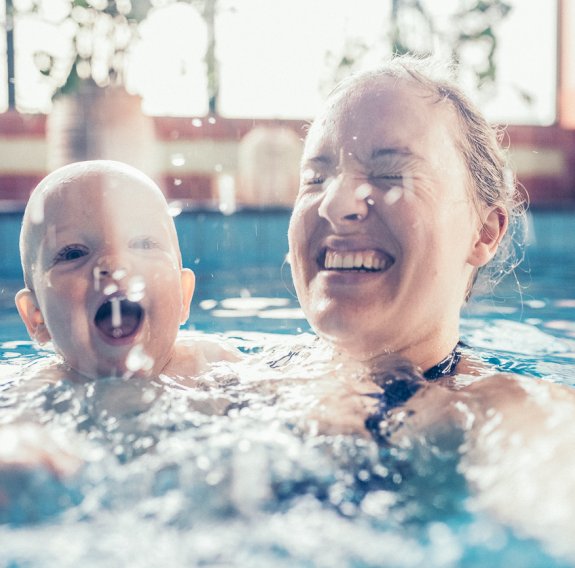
[[107, 277]]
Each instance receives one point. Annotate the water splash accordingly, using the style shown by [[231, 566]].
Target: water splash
[[96, 278], [393, 195], [139, 360], [119, 274], [227, 194], [178, 160], [116, 313], [363, 191], [36, 210], [208, 304], [110, 289], [175, 207], [136, 289]]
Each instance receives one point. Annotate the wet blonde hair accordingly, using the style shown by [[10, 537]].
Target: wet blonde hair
[[492, 182]]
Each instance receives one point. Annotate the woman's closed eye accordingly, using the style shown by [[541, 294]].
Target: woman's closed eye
[[70, 253], [393, 178], [312, 177]]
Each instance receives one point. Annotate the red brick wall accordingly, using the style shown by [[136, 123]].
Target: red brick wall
[[543, 156]]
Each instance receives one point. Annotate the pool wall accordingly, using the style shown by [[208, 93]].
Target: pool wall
[[209, 240], [213, 242]]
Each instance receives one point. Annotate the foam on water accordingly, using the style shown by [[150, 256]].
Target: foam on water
[[224, 471]]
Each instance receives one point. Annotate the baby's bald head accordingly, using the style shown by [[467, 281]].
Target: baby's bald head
[[72, 182]]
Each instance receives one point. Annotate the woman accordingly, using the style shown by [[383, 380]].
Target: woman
[[405, 200]]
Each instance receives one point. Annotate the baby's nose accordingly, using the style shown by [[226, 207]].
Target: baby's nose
[[110, 267]]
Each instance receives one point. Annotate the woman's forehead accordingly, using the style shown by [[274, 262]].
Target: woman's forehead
[[382, 113]]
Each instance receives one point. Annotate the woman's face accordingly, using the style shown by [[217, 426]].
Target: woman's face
[[383, 229]]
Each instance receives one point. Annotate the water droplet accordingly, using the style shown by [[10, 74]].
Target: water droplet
[[136, 288], [175, 208], [218, 167], [178, 160], [208, 304], [197, 260], [393, 195], [196, 122], [212, 120], [177, 182], [363, 191], [116, 313], [138, 359], [110, 289], [37, 210], [119, 273], [227, 194], [96, 275]]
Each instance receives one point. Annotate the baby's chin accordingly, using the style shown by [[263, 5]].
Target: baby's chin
[[135, 362]]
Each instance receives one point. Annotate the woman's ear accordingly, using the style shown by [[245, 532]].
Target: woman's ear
[[491, 232], [32, 316], [188, 280]]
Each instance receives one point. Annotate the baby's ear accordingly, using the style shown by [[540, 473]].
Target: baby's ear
[[188, 279], [491, 232], [32, 316]]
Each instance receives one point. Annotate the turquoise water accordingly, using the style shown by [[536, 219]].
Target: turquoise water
[[225, 473]]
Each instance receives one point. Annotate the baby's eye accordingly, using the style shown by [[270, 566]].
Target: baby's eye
[[143, 243], [70, 253]]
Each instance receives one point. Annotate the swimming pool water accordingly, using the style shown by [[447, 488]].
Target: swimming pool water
[[171, 480]]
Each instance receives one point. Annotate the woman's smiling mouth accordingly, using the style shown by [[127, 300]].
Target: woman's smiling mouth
[[355, 260], [118, 320]]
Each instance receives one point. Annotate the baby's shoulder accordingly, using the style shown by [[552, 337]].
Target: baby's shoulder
[[199, 350]]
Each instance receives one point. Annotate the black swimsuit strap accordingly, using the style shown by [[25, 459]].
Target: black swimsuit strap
[[446, 367], [400, 385]]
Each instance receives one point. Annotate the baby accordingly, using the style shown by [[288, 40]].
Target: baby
[[104, 277]]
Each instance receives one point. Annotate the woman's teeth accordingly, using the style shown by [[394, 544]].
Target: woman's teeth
[[356, 260]]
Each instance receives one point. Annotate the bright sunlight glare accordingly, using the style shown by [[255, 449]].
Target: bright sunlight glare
[[276, 58]]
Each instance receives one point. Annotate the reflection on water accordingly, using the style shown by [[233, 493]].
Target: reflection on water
[[224, 472]]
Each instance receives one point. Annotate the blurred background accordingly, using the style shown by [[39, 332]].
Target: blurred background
[[212, 99]]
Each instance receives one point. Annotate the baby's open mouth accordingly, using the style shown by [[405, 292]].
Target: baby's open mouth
[[359, 260], [118, 318]]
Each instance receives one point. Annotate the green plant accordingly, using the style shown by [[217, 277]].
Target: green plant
[[99, 33], [414, 28]]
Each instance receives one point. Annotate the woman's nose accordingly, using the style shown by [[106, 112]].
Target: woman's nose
[[345, 201]]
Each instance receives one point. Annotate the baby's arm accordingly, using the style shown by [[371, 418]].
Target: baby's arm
[[195, 354], [27, 446]]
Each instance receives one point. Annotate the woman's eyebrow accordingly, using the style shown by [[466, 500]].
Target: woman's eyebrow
[[394, 153]]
